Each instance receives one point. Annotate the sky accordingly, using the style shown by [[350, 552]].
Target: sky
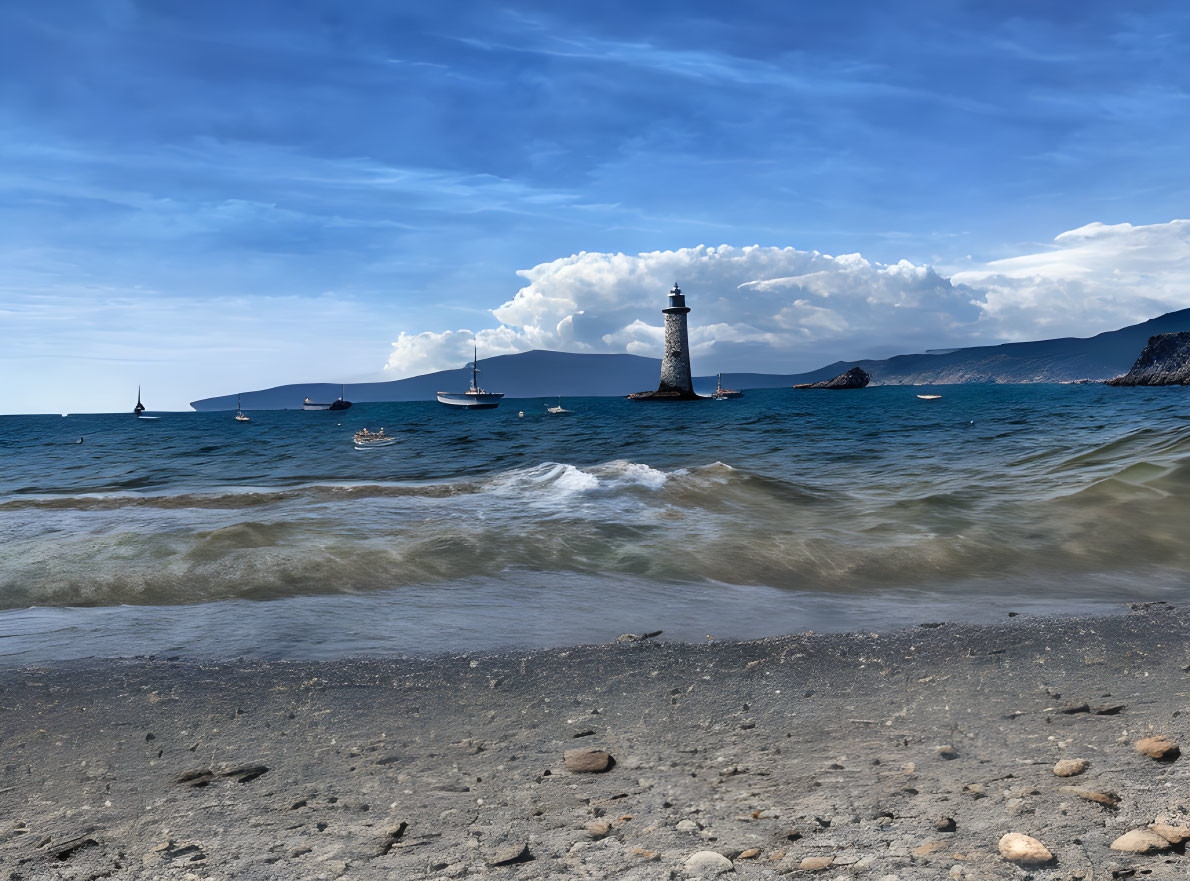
[[201, 198]]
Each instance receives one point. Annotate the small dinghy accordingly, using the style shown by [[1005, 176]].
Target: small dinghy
[[368, 440], [558, 410], [929, 397]]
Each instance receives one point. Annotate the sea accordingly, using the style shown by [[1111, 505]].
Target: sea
[[782, 511]]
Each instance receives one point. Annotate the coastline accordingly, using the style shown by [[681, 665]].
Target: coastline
[[827, 747]]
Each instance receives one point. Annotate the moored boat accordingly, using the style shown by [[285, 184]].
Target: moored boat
[[723, 394], [558, 410], [241, 416], [475, 398]]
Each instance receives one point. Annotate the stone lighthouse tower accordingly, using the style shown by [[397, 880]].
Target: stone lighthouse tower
[[676, 382]]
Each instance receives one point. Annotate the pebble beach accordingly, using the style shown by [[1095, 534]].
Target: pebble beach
[[1038, 748]]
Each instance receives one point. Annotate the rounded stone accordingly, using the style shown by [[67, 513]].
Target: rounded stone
[[1140, 841], [707, 863], [1071, 767], [1160, 748], [1107, 799], [587, 761], [1024, 850], [1172, 834], [816, 864]]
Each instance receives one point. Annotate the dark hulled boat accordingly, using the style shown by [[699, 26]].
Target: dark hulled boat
[[340, 404]]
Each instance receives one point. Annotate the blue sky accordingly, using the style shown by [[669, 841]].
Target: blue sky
[[208, 196]]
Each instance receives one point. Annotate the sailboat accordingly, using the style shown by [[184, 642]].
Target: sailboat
[[474, 398], [722, 394], [140, 408], [241, 416], [559, 410]]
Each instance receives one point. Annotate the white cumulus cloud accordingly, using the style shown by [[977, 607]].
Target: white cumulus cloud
[[753, 308], [781, 309], [1094, 278]]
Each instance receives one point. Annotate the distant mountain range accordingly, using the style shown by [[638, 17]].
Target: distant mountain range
[[541, 374], [1062, 360], [536, 374]]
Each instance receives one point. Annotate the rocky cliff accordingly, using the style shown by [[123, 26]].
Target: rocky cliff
[[1164, 361]]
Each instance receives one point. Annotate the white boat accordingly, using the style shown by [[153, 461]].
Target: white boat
[[559, 410], [241, 416], [929, 397], [723, 394], [368, 440], [474, 398]]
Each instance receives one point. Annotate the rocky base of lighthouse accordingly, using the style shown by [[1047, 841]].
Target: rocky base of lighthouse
[[666, 394]]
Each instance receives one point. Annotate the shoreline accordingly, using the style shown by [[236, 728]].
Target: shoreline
[[845, 750], [424, 622]]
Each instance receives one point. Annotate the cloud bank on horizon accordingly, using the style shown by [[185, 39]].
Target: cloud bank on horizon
[[785, 310]]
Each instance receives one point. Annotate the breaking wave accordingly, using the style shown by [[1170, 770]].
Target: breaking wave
[[707, 523], [841, 502]]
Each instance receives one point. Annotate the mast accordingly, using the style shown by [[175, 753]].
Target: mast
[[475, 368]]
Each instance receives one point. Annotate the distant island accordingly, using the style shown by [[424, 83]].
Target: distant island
[[541, 374], [854, 378]]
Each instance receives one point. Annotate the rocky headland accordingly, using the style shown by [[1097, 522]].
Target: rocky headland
[[1164, 361], [856, 377], [1044, 749]]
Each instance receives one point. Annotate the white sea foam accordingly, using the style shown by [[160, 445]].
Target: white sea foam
[[623, 473], [542, 481]]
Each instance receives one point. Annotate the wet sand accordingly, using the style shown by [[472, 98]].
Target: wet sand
[[906, 754]]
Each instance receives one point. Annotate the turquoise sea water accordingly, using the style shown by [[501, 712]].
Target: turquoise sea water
[[783, 510]]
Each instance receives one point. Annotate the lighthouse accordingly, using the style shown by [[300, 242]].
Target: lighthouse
[[676, 382]]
